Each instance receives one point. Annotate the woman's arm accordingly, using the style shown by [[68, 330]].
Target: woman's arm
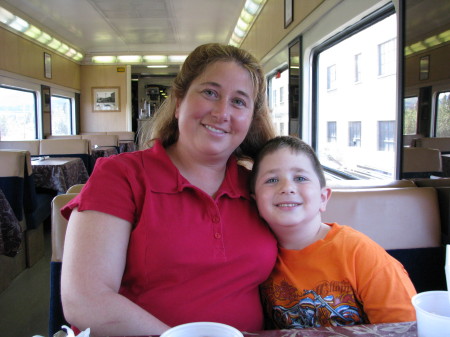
[[93, 264]]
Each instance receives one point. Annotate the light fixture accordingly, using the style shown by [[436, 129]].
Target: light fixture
[[155, 58], [177, 58], [158, 66], [19, 25], [129, 58], [104, 59], [246, 19]]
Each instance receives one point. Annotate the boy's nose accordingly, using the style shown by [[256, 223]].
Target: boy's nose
[[287, 187]]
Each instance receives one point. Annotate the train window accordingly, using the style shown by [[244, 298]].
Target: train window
[[17, 114], [279, 111], [364, 114], [61, 116], [443, 115], [410, 115]]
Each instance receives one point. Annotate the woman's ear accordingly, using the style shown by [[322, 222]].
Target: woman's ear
[[325, 195], [177, 107]]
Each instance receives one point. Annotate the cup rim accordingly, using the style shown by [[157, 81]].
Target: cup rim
[[182, 326], [418, 296]]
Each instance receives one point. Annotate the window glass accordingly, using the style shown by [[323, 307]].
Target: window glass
[[364, 151], [17, 114], [443, 115], [331, 131], [279, 110], [410, 110], [61, 116]]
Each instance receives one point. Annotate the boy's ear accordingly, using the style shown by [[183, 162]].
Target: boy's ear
[[325, 196]]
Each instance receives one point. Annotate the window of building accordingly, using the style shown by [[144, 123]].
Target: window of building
[[358, 67], [443, 115], [331, 132], [17, 114], [278, 82], [61, 115], [281, 95], [387, 58], [354, 134], [331, 77], [386, 135]]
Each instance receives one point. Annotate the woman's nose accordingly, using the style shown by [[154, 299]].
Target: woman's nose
[[221, 110]]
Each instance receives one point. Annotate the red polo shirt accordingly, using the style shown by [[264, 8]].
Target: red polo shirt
[[190, 257]]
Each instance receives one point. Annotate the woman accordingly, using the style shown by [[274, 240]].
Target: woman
[[169, 235]]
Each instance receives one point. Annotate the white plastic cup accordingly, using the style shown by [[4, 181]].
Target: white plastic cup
[[202, 329], [432, 313]]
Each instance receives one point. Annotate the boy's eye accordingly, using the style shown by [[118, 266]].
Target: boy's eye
[[300, 179]]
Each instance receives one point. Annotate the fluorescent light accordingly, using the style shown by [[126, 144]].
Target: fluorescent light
[[71, 52], [155, 58], [54, 43], [248, 15], [78, 56], [129, 58], [177, 58], [44, 38], [19, 24], [63, 49], [6, 16], [103, 59], [33, 32], [158, 66]]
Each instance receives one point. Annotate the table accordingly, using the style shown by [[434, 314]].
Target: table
[[59, 173], [10, 230], [403, 329]]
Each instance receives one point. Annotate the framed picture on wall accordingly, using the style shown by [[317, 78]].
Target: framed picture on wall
[[424, 67], [106, 99], [47, 65], [288, 12]]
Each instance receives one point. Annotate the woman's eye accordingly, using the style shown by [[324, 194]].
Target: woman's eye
[[239, 102], [210, 93], [271, 180]]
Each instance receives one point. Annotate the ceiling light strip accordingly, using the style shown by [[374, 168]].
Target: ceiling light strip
[[249, 13], [21, 26]]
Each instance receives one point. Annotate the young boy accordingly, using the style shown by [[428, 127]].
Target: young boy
[[326, 274]]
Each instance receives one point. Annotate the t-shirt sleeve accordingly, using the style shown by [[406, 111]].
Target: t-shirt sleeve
[[108, 190], [384, 286]]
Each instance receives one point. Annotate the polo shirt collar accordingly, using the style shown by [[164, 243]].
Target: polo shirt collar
[[167, 179]]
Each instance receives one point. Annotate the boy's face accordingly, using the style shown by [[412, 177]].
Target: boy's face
[[287, 190]]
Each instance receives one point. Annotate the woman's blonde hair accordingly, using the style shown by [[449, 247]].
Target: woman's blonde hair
[[165, 126]]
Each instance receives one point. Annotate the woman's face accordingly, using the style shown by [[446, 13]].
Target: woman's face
[[217, 110]]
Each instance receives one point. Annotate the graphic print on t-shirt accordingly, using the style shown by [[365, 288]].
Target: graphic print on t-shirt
[[330, 303]]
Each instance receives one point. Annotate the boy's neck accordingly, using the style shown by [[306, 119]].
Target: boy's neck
[[302, 239]]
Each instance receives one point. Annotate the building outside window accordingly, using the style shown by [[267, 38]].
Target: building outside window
[[386, 135], [331, 132], [358, 68], [386, 58], [331, 77], [354, 134]]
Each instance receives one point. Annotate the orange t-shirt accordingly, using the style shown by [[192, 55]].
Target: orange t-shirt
[[343, 279]]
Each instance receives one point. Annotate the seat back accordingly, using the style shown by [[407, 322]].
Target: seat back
[[59, 227], [123, 135], [31, 146], [64, 137], [421, 162], [369, 183], [102, 140], [75, 188], [404, 221], [440, 143], [79, 148]]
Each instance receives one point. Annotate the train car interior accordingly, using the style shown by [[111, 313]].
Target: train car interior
[[365, 82]]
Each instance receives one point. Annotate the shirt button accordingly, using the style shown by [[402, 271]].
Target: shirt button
[[217, 235], [215, 219]]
